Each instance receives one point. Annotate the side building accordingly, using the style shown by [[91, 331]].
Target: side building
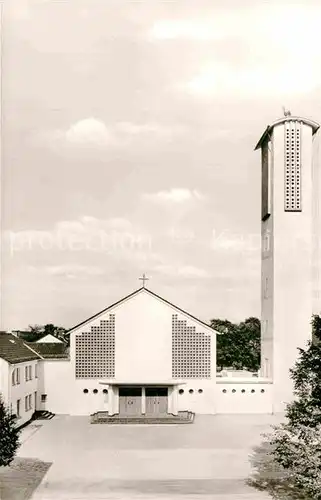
[[22, 380], [19, 377]]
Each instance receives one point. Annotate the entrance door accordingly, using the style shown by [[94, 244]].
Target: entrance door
[[156, 400], [130, 401]]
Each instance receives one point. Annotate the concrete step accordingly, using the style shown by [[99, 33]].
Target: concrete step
[[103, 418]]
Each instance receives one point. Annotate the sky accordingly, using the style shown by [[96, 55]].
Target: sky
[[128, 142]]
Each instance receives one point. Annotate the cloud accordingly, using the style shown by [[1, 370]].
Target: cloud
[[174, 195], [91, 133], [283, 60], [217, 78]]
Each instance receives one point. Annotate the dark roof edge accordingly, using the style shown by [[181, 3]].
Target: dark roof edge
[[32, 350], [314, 125], [132, 295], [105, 310], [181, 310]]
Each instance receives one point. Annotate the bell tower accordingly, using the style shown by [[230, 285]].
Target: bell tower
[[290, 247]]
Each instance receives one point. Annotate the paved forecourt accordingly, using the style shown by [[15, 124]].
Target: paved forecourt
[[203, 460]]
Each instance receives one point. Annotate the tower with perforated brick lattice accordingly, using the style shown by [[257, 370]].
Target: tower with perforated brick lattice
[[290, 231]]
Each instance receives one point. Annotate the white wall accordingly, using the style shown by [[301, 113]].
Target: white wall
[[65, 394], [57, 385], [316, 181], [293, 297], [143, 342], [229, 397], [4, 380], [25, 388], [198, 402]]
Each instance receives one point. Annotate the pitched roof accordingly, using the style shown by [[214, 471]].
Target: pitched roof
[[14, 350], [49, 336], [53, 350], [140, 290]]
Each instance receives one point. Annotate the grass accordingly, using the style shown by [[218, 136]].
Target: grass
[[21, 478], [271, 477]]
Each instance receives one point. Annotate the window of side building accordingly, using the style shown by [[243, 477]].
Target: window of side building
[[15, 377]]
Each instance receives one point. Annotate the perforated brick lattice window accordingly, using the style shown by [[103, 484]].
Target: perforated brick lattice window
[[95, 351], [191, 351], [292, 181]]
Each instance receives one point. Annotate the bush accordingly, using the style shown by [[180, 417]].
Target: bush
[[296, 444], [298, 450], [9, 435]]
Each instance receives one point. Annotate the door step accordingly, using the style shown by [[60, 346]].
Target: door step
[[42, 415], [186, 417]]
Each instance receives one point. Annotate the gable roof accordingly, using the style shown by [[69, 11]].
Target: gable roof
[[14, 350], [53, 350], [49, 335], [136, 292]]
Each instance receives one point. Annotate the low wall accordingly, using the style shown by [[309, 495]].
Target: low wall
[[248, 395]]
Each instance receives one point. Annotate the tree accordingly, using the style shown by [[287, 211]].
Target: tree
[[249, 336], [296, 444], [238, 345], [34, 333], [37, 331], [225, 354], [9, 435]]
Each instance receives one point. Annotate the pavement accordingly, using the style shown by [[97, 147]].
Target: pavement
[[208, 459]]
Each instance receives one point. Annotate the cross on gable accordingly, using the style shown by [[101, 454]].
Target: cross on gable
[[143, 279]]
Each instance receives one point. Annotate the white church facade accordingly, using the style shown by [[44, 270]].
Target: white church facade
[[146, 356]]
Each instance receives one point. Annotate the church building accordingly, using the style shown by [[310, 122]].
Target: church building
[[144, 356]]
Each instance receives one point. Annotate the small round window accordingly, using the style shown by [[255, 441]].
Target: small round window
[[200, 391], [224, 390], [233, 390], [85, 391], [181, 391], [262, 390], [95, 391], [191, 391], [252, 390], [105, 391], [243, 390]]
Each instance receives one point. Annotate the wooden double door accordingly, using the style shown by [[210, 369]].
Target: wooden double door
[[130, 400], [156, 400]]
